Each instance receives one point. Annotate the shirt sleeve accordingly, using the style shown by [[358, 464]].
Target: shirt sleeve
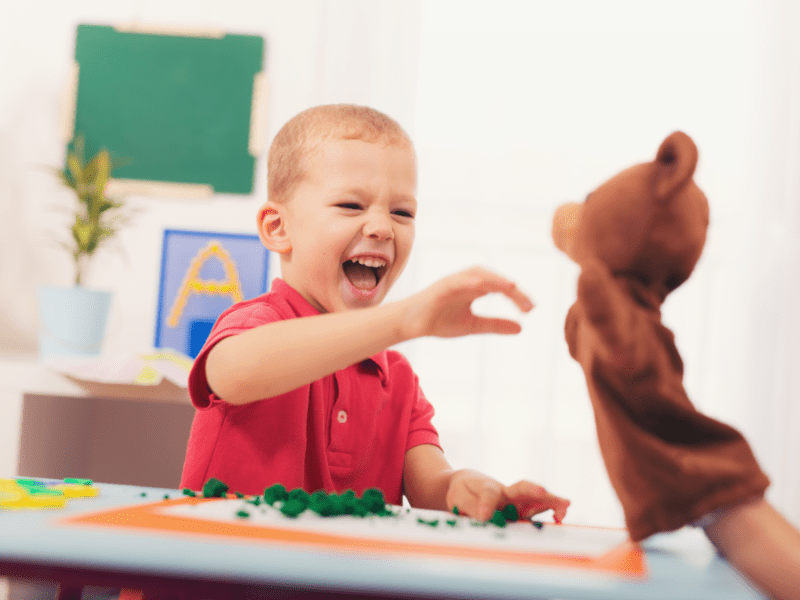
[[232, 322], [421, 429]]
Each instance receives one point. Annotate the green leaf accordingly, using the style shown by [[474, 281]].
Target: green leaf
[[83, 233], [103, 169], [76, 170], [97, 217]]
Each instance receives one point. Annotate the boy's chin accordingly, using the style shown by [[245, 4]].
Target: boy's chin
[[353, 297]]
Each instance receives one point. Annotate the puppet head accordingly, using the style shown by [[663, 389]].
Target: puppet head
[[648, 223]]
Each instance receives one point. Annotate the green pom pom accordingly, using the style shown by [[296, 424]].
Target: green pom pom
[[321, 503], [373, 501], [275, 492], [498, 519], [214, 488], [292, 508], [188, 492], [511, 513], [299, 495], [347, 502]]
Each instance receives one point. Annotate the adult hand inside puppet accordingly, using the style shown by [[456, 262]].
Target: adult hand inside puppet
[[637, 238]]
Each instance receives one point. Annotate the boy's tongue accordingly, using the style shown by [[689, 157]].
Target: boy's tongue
[[360, 276]]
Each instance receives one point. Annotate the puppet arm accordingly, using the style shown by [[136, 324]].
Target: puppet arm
[[614, 317]]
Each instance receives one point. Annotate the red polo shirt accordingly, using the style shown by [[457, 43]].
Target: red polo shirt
[[349, 430]]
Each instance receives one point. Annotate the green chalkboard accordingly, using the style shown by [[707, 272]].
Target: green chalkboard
[[178, 105]]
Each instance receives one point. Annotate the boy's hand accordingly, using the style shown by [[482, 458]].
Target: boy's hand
[[445, 308], [478, 496]]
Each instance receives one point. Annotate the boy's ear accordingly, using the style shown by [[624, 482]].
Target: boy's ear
[[272, 228]]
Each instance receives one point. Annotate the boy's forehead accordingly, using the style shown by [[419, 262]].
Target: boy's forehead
[[341, 149], [354, 165]]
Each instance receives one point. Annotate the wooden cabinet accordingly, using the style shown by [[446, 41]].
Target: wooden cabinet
[[53, 426]]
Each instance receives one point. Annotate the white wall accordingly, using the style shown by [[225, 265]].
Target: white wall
[[515, 106]]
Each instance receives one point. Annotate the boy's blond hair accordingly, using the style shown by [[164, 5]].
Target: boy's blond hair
[[302, 135]]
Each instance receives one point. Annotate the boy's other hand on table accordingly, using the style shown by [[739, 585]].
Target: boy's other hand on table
[[478, 496]]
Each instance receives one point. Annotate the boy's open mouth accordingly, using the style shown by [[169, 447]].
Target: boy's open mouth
[[364, 272]]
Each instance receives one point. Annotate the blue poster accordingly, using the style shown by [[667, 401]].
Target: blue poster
[[203, 274]]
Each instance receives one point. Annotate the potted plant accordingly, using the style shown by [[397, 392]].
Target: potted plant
[[73, 319]]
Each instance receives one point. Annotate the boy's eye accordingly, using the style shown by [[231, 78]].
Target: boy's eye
[[349, 205], [403, 213]]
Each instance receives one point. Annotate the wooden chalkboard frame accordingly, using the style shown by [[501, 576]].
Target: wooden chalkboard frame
[[182, 106]]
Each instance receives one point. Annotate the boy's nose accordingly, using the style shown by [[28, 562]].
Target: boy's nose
[[379, 227]]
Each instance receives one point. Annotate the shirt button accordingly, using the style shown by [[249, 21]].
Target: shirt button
[[341, 417]]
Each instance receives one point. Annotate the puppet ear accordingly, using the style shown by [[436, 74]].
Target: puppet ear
[[674, 165]]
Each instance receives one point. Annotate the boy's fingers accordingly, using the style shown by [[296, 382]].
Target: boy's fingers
[[520, 299], [488, 500], [511, 291], [534, 499], [496, 325], [490, 282], [557, 505], [560, 511], [526, 490]]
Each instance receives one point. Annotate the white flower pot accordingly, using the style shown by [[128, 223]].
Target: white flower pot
[[72, 320]]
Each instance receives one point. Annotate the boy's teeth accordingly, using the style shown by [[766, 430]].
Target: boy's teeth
[[371, 262]]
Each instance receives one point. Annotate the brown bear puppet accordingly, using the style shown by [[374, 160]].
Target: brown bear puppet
[[636, 238]]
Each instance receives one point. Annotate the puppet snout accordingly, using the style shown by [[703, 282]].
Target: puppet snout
[[565, 225]]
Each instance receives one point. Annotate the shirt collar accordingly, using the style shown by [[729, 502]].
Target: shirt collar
[[300, 306], [303, 308]]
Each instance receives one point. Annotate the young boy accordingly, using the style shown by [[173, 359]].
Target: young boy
[[297, 386]]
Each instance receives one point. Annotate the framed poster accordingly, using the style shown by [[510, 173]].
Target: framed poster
[[202, 274]]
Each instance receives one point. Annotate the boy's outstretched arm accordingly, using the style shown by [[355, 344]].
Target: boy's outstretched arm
[[430, 482], [762, 544], [276, 358]]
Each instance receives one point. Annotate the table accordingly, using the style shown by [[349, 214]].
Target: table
[[37, 544]]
